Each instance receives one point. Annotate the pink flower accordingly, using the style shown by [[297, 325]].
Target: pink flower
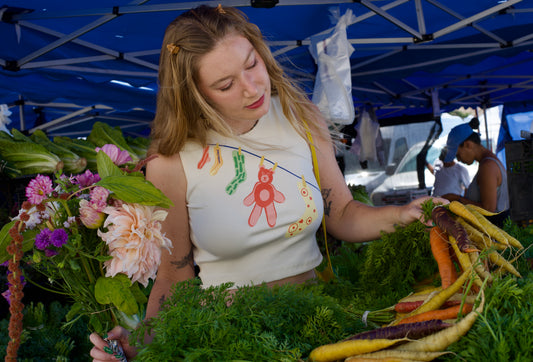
[[99, 198], [90, 216], [135, 241], [115, 154], [38, 189]]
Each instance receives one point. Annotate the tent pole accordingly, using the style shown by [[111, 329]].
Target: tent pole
[[489, 146], [21, 113]]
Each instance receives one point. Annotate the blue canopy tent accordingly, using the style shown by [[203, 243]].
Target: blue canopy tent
[[65, 65]]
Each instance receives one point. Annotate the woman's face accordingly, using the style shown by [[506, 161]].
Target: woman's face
[[234, 80], [465, 153]]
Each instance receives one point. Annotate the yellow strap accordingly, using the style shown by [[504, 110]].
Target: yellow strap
[[327, 274]]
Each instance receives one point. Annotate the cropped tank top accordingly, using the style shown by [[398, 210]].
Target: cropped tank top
[[254, 204], [473, 192]]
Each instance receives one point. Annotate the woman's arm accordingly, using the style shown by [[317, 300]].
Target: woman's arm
[[166, 173], [348, 219], [488, 179]]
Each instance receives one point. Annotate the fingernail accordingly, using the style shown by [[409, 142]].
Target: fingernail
[[108, 350]]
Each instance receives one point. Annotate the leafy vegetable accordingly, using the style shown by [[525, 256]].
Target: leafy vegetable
[[72, 163], [29, 157], [102, 134], [256, 323]]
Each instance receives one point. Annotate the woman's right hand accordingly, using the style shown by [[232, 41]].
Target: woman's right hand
[[101, 350]]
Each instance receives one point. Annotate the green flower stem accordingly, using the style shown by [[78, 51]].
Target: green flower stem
[[87, 270]]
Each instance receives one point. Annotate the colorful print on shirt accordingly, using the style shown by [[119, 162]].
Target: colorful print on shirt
[[263, 196], [310, 213]]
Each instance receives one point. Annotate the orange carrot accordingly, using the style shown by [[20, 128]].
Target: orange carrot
[[442, 314], [440, 249]]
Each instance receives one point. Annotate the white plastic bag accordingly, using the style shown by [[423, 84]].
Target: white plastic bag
[[4, 117], [333, 85]]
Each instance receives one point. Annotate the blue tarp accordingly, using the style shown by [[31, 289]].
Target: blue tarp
[[60, 56]]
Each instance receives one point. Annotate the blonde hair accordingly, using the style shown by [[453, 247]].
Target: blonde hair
[[182, 112]]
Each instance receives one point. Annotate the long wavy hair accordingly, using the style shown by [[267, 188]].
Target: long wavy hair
[[182, 111]]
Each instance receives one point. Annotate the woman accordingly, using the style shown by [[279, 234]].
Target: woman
[[234, 156], [488, 188]]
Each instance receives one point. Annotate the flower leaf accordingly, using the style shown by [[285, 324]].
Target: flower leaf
[[116, 291], [5, 239], [135, 190], [105, 166]]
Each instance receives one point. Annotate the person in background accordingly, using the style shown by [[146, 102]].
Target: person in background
[[488, 188], [234, 140], [450, 177]]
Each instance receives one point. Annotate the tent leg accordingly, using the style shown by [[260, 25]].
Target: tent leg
[[21, 113], [489, 146]]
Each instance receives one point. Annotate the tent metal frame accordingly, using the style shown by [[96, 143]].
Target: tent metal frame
[[414, 39]]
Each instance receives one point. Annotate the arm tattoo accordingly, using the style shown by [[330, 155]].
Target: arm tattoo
[[162, 300], [327, 203], [187, 260]]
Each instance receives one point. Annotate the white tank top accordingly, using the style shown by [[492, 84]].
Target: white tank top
[[253, 211]]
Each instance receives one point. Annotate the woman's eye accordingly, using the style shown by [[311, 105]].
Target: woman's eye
[[254, 63], [226, 87]]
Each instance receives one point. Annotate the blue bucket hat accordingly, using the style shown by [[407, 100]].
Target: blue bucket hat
[[457, 135]]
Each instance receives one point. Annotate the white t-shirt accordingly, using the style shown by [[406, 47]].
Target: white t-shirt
[[450, 180], [252, 217]]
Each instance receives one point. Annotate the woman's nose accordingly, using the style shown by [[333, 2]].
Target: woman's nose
[[249, 85]]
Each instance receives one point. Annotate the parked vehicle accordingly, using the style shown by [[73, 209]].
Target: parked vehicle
[[402, 185]]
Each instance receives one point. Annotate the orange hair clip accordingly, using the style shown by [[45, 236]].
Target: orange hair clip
[[173, 48], [220, 9]]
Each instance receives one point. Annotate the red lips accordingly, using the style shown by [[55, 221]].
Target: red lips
[[257, 104]]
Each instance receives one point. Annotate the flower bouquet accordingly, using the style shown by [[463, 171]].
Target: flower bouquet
[[96, 238]]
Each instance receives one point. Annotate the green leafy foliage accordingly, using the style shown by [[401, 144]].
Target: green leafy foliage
[[45, 339], [503, 332], [255, 323], [396, 262]]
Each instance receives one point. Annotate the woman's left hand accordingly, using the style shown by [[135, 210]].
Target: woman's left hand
[[413, 210]]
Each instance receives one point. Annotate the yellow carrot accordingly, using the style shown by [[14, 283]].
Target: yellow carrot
[[442, 339], [491, 229], [396, 355], [464, 259], [481, 240], [479, 267], [347, 348], [436, 301], [496, 259], [512, 240], [460, 210], [481, 210]]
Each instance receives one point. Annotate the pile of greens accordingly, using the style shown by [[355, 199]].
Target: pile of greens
[[255, 323]]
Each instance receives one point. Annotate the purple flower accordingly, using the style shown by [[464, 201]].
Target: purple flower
[[38, 189], [86, 179], [59, 237], [42, 240], [7, 294], [49, 253]]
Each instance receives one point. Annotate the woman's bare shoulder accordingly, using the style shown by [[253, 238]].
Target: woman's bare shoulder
[[164, 167]]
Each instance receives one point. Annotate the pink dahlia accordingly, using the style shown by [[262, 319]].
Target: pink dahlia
[[38, 189], [135, 241]]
